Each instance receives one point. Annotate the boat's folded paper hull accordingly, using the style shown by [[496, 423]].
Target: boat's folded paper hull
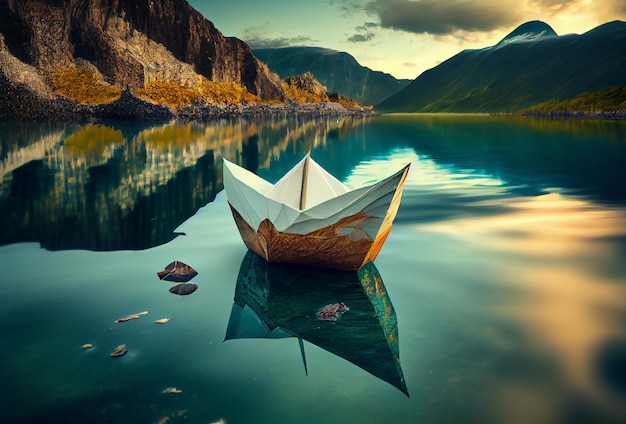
[[347, 239], [323, 248]]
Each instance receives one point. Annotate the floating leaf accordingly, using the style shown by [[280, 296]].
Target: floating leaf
[[119, 351], [178, 272], [162, 321], [183, 289]]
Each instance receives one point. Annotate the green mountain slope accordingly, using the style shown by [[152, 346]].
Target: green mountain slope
[[606, 100], [524, 69], [339, 72]]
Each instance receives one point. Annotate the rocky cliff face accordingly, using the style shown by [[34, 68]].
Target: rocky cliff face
[[125, 42]]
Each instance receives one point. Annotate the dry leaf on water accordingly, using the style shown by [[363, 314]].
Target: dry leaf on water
[[128, 318], [119, 351]]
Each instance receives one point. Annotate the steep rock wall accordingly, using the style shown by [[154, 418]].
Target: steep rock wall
[[130, 42]]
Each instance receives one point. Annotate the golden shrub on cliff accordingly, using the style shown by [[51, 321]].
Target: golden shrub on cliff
[[217, 93], [81, 84], [169, 93], [227, 93]]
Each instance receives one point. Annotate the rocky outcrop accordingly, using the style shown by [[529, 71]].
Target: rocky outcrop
[[307, 83], [306, 89], [128, 42]]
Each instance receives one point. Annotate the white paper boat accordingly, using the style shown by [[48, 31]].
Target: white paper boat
[[309, 217]]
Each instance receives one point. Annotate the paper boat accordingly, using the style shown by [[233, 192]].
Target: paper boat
[[309, 217]]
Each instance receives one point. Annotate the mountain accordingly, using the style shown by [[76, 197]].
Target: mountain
[[338, 71], [527, 32], [115, 46], [529, 66]]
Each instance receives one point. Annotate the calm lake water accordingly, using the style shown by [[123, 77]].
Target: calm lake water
[[499, 296]]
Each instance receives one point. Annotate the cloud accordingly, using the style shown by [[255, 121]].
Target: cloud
[[367, 26], [364, 33], [256, 37], [441, 17], [611, 10], [361, 38], [595, 7], [348, 8], [578, 15], [553, 4]]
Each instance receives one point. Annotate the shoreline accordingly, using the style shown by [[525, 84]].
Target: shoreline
[[130, 107], [560, 114], [103, 113]]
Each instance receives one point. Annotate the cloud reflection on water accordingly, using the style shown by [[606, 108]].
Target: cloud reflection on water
[[571, 301]]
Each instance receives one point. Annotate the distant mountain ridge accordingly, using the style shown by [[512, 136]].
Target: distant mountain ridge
[[338, 71], [530, 65]]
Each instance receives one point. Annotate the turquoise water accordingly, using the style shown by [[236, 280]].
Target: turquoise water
[[505, 274]]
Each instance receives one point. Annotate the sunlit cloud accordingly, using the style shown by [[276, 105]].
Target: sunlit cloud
[[609, 9], [554, 5]]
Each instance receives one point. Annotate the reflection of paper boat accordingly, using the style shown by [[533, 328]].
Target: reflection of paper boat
[[311, 218], [284, 300]]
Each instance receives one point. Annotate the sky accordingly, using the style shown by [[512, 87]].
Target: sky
[[401, 37]]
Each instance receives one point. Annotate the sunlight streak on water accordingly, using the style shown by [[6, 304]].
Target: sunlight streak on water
[[570, 303], [423, 172]]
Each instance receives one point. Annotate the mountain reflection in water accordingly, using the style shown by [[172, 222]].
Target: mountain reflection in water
[[283, 300], [124, 185]]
